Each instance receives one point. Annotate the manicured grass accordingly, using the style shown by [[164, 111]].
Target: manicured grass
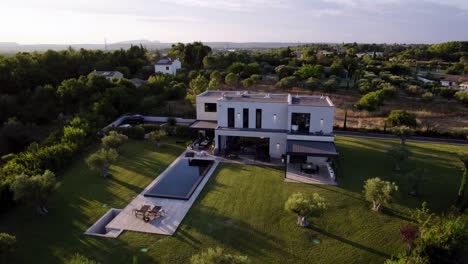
[[240, 209]]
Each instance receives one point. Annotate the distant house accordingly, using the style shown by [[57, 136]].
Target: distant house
[[137, 82], [167, 66], [297, 54], [110, 75], [425, 80], [453, 81], [324, 52], [464, 86], [370, 53]]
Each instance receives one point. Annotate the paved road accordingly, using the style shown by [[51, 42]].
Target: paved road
[[389, 136]]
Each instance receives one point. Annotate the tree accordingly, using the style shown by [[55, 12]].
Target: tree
[[312, 83], [427, 96], [113, 140], [403, 132], [101, 160], [247, 82], [409, 234], [399, 154], [463, 156], [215, 80], [198, 85], [462, 96], [35, 190], [379, 192], [401, 118], [371, 101], [231, 79], [304, 206], [287, 82], [217, 256], [330, 85], [7, 246], [155, 136]]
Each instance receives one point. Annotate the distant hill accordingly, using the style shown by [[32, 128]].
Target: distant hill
[[9, 47]]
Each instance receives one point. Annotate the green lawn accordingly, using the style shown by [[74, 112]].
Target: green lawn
[[240, 209]]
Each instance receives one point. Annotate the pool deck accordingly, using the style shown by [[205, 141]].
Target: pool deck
[[174, 210]]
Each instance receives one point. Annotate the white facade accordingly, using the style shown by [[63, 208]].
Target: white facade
[[267, 116], [167, 66]]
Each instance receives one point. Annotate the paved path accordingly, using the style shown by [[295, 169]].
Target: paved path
[[389, 136]]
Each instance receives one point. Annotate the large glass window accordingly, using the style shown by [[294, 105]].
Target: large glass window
[[300, 122], [230, 117], [245, 118], [210, 107], [258, 118]]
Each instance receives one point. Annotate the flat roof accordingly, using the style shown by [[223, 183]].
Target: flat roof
[[242, 96], [312, 148]]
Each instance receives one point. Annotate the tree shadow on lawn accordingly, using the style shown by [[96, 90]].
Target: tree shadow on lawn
[[349, 242], [231, 233]]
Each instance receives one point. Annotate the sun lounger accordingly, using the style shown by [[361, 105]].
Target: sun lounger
[[142, 211], [153, 213]]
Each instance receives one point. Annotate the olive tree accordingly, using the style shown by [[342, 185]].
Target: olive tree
[[113, 140], [304, 206], [217, 256], [379, 192], [155, 136], [403, 132], [35, 190], [101, 160], [399, 154]]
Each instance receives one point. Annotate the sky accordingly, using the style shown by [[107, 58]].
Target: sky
[[370, 21]]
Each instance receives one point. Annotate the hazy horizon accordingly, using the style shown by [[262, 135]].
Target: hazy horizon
[[33, 22]]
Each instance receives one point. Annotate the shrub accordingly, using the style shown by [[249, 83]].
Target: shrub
[[414, 90], [371, 101], [135, 132], [150, 127], [389, 91], [445, 92], [171, 121], [403, 132], [113, 140], [427, 96], [401, 118], [256, 77], [462, 96]]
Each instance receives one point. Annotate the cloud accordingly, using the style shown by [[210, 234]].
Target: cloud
[[233, 5]]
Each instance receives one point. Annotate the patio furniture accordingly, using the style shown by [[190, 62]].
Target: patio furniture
[[142, 211], [153, 213], [190, 154], [309, 168]]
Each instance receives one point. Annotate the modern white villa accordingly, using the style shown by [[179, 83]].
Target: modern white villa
[[294, 128], [167, 66]]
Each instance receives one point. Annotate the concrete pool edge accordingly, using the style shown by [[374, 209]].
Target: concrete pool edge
[[176, 210]]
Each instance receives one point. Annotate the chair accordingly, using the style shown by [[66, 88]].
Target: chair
[[153, 213], [142, 211]]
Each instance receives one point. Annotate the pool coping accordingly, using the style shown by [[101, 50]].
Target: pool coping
[[175, 209]]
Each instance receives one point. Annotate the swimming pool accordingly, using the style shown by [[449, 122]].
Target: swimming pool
[[181, 180]]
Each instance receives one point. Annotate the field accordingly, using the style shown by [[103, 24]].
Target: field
[[241, 209]]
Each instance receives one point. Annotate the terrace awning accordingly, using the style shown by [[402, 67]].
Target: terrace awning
[[202, 124], [311, 148]]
